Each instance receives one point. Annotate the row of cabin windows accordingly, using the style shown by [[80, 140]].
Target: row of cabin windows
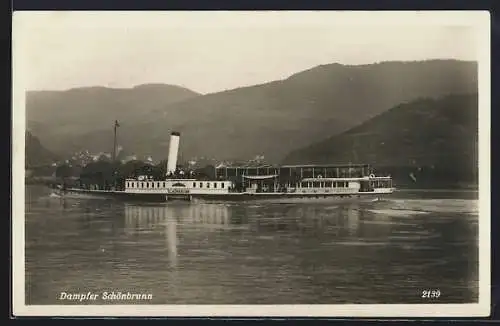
[[131, 184], [381, 184], [207, 185], [325, 184], [157, 184]]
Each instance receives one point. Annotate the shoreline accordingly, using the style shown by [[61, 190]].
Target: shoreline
[[436, 190], [402, 189]]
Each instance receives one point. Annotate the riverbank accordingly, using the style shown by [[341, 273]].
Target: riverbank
[[437, 190], [48, 181], [404, 186]]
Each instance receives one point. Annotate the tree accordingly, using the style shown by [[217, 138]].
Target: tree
[[205, 173], [100, 173], [63, 172]]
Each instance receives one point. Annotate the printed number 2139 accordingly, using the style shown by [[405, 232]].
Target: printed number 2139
[[431, 294]]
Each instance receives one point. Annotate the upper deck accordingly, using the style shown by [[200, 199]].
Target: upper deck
[[295, 172]]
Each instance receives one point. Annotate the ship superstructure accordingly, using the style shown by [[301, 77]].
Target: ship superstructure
[[264, 182]]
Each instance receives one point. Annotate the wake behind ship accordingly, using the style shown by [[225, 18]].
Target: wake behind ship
[[247, 182]]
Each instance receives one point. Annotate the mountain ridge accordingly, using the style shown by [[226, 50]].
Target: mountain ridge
[[269, 119], [102, 87]]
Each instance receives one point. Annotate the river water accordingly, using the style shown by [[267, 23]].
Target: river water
[[253, 253]]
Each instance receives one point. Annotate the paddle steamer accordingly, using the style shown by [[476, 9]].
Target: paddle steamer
[[248, 182]]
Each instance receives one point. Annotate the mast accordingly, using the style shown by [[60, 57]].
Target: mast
[[114, 154], [114, 139]]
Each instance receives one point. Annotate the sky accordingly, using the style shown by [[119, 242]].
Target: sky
[[214, 51]]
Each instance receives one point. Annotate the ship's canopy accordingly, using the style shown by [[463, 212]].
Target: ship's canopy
[[260, 177]]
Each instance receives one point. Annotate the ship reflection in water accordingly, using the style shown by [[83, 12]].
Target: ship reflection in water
[[252, 253], [140, 219]]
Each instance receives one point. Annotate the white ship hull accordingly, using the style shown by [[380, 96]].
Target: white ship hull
[[158, 196]]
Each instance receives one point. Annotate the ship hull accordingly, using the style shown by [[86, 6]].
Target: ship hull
[[290, 198]]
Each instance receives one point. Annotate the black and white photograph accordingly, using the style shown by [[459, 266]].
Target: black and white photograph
[[251, 163]]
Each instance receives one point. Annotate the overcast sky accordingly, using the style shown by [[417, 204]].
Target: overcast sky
[[213, 51]]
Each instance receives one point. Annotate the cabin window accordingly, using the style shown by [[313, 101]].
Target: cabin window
[[215, 184], [328, 184], [208, 185], [222, 185], [163, 184], [194, 184], [127, 184], [316, 184], [201, 184], [152, 184], [304, 185]]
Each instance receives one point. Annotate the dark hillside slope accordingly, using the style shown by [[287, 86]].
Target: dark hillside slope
[[422, 143]]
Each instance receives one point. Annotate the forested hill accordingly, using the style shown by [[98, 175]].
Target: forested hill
[[36, 154], [434, 140]]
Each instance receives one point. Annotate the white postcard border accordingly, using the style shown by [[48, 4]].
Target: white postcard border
[[480, 20]]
